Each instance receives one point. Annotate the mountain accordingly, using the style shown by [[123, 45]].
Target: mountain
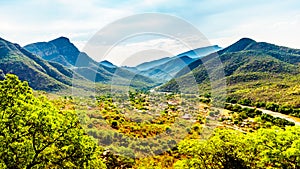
[[40, 74], [62, 51], [200, 52], [166, 68], [246, 59], [107, 64], [151, 64]]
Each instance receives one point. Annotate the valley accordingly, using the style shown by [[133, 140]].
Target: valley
[[59, 107]]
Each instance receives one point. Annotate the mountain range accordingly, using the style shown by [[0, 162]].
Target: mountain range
[[166, 68], [62, 51], [245, 60], [53, 65]]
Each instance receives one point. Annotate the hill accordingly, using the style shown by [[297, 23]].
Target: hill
[[246, 62], [166, 68], [151, 64], [200, 52], [107, 64]]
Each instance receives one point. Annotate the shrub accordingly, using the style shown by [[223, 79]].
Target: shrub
[[246, 102], [272, 106]]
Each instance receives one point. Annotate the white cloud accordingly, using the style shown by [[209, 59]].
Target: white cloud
[[44, 20], [223, 22], [134, 53]]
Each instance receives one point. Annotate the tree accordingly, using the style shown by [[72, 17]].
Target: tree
[[272, 106], [34, 134], [285, 109], [246, 102], [114, 124], [220, 151], [264, 148]]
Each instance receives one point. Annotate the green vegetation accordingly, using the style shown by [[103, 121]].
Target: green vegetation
[[257, 71], [106, 126], [265, 148], [34, 134], [40, 132], [284, 109], [239, 115]]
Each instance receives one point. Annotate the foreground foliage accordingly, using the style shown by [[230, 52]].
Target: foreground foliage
[[266, 148], [34, 134]]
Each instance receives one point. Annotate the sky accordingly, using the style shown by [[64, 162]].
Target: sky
[[222, 22]]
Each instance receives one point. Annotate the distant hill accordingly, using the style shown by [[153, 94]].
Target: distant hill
[[151, 64], [107, 64], [200, 52], [166, 68], [41, 74], [247, 59]]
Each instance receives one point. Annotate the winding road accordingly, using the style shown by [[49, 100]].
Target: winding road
[[276, 114]]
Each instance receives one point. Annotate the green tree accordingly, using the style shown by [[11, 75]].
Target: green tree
[[272, 106], [220, 151], [265, 148], [34, 134]]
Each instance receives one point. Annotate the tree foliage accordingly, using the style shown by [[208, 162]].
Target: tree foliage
[[34, 134], [265, 148]]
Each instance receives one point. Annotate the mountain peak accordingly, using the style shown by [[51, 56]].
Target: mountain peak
[[60, 40], [107, 63], [200, 52], [55, 50], [246, 40], [239, 45]]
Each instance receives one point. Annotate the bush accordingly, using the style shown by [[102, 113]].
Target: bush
[[260, 104], [237, 108], [285, 109], [272, 106], [246, 102], [231, 100], [114, 124], [35, 134]]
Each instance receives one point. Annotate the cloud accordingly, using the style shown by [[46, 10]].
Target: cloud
[[134, 53], [130, 35], [26, 22], [221, 21]]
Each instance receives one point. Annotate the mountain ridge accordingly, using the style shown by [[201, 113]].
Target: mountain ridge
[[166, 68], [62, 51], [243, 57]]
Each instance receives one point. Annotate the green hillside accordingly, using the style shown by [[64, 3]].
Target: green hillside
[[249, 67]]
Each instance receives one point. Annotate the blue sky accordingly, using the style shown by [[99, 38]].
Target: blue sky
[[222, 21]]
